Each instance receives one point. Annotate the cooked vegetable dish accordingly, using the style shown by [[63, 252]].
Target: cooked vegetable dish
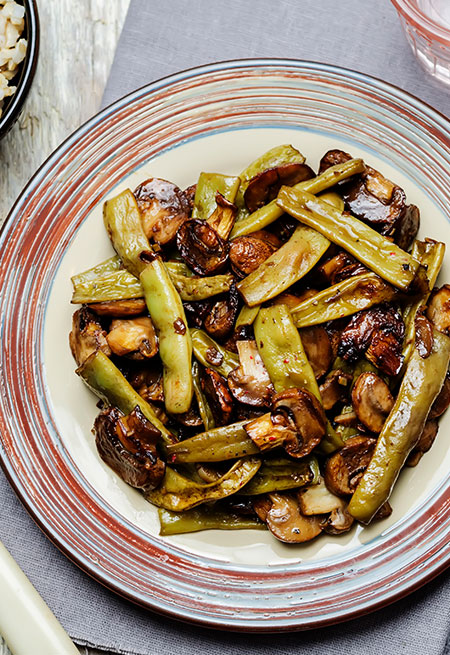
[[269, 349]]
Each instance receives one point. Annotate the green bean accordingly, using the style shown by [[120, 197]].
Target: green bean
[[282, 352], [420, 386], [375, 251], [270, 212], [122, 221], [342, 299], [246, 316], [430, 254], [277, 156], [118, 285], [203, 405], [284, 267], [333, 199], [107, 382], [283, 474], [205, 518], [108, 266], [220, 444], [122, 285], [205, 194], [177, 493], [175, 346], [211, 354]]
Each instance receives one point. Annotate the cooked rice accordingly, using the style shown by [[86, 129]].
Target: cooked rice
[[12, 47]]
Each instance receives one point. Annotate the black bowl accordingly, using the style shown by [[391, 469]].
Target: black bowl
[[13, 105]]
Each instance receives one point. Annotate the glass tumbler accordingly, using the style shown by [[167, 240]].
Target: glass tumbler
[[427, 27]]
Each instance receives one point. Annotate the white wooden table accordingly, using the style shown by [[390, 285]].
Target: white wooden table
[[78, 41]]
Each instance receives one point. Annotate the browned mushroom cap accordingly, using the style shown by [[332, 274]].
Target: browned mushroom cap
[[376, 200], [338, 522], [268, 237], [425, 442], [148, 382], [247, 253], [299, 410], [164, 208], [372, 401], [442, 401], [379, 333], [221, 318], [126, 444], [190, 419], [133, 337], [197, 311], [340, 267], [264, 187], [201, 247], [383, 513], [119, 308], [223, 217], [250, 382], [424, 335], [317, 345], [87, 336], [189, 194], [284, 519], [438, 310], [218, 395], [335, 388], [345, 468]]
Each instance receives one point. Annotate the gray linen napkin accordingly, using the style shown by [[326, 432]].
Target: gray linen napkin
[[160, 38]]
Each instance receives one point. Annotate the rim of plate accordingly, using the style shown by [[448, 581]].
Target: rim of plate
[[180, 563]]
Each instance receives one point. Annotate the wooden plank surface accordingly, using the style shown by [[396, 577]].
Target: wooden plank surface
[[78, 41]]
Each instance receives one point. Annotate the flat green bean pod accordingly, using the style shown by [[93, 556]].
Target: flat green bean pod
[[204, 518], [221, 444], [342, 299], [282, 474], [420, 386], [177, 493], [270, 212], [104, 378], [211, 354], [372, 249], [205, 194], [284, 267]]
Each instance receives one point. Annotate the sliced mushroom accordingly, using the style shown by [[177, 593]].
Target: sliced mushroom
[[335, 388], [378, 332], [377, 201], [247, 253], [87, 336], [345, 468], [317, 345], [250, 382], [203, 250], [119, 308], [135, 338], [189, 419], [299, 410], [284, 519], [442, 401], [424, 335], [338, 522], [127, 445], [189, 194], [340, 267], [425, 442], [264, 187], [196, 312], [438, 310], [164, 208], [372, 401], [220, 320], [148, 382], [267, 237], [318, 499], [218, 395], [383, 513], [267, 432], [223, 217]]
